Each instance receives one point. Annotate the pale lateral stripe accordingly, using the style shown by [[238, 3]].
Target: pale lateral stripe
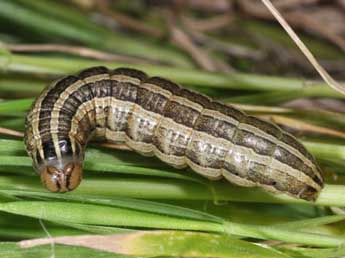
[[210, 173], [96, 78], [81, 112], [186, 102], [220, 116], [175, 161], [275, 164], [101, 117], [142, 147], [262, 159], [35, 119], [72, 88], [87, 106], [156, 89], [169, 123], [55, 139], [214, 141], [238, 180], [141, 113], [54, 124], [261, 134], [252, 157], [118, 106], [115, 136], [59, 103], [273, 139], [125, 79]]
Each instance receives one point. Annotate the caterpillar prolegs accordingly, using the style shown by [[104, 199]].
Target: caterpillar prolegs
[[155, 116]]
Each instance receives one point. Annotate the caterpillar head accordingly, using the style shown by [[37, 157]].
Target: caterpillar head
[[59, 173], [62, 178]]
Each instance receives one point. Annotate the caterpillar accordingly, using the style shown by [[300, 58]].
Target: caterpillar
[[155, 116]]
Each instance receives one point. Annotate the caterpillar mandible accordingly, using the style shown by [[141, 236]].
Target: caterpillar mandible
[[155, 116]]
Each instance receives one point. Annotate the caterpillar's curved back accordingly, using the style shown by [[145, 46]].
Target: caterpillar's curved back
[[155, 116]]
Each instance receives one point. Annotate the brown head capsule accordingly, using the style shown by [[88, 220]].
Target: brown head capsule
[[62, 180], [155, 116]]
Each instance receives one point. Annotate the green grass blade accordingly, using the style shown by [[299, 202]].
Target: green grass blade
[[292, 236], [133, 204], [169, 243], [316, 252], [239, 81], [310, 223], [194, 245], [104, 215], [17, 105], [173, 189], [110, 216], [12, 250]]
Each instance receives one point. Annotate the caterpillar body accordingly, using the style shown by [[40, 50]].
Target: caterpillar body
[[155, 116]]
